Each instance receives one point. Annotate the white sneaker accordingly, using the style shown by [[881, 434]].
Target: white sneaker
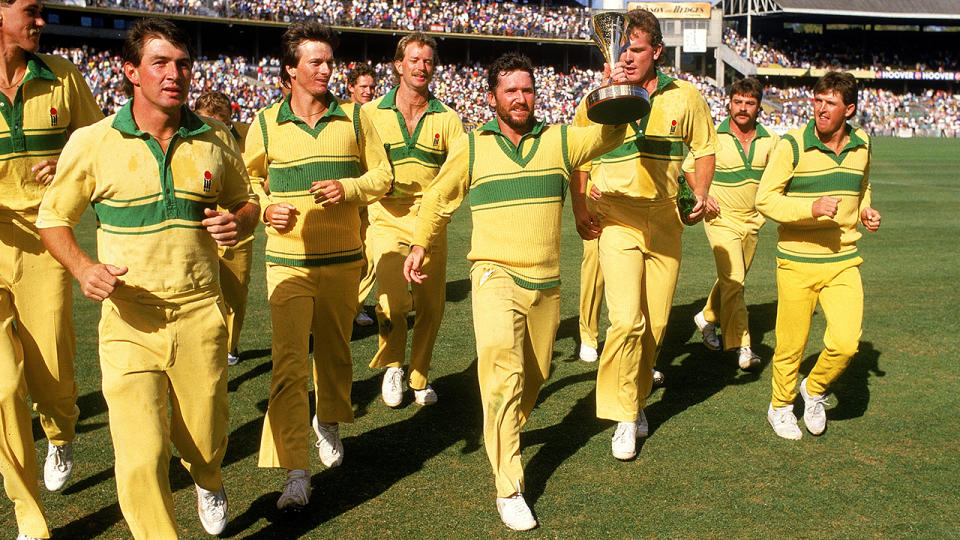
[[25, 537], [708, 331], [515, 513], [624, 442], [392, 389], [783, 422], [657, 378], [363, 319], [328, 441], [588, 353], [747, 359], [643, 427], [814, 416], [212, 508], [59, 465], [233, 358], [296, 491], [427, 396]]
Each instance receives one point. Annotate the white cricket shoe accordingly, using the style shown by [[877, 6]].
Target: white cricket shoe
[[233, 358], [588, 353], [708, 330], [783, 422], [643, 427], [747, 358], [328, 442], [624, 442], [515, 513], [363, 319], [58, 466], [296, 491], [427, 396], [212, 508], [392, 388], [814, 416], [25, 537]]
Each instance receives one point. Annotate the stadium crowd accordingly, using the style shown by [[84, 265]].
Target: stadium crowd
[[471, 17], [253, 85]]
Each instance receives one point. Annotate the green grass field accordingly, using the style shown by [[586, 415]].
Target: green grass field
[[886, 467]]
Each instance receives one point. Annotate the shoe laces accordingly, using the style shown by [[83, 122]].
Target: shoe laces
[[327, 433], [396, 378], [59, 454], [295, 484], [214, 505], [621, 434]]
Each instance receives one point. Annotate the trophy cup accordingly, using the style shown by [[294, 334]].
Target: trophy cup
[[615, 103]]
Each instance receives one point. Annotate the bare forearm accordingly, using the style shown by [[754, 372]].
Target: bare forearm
[[247, 215], [62, 244], [703, 169]]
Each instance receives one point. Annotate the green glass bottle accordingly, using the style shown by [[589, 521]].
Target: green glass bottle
[[686, 200]]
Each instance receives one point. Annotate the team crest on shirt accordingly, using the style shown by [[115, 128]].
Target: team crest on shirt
[[207, 181], [673, 127], [53, 116], [436, 139]]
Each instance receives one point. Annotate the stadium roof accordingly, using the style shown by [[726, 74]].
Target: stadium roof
[[900, 9]]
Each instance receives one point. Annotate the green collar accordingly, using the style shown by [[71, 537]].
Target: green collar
[[285, 114], [662, 80], [810, 139], [190, 123], [724, 127], [389, 101], [37, 69], [494, 126]]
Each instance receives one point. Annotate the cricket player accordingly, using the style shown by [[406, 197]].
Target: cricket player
[[236, 260], [162, 330], [418, 130], [817, 187], [745, 148], [312, 165], [641, 229], [362, 84], [43, 100], [515, 169]]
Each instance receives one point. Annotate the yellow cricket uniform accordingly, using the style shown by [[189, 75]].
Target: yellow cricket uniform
[[817, 258], [516, 271], [369, 275], [162, 332], [416, 159], [734, 234], [313, 267], [50, 104], [640, 243], [591, 286]]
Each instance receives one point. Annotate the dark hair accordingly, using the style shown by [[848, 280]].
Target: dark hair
[[417, 37], [840, 82], [646, 22], [505, 64], [213, 103], [359, 70], [144, 30], [296, 34], [747, 87]]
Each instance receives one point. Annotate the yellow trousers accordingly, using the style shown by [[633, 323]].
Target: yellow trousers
[[321, 300], [368, 276], [42, 294], [515, 329], [235, 265], [640, 258], [18, 459], [391, 233], [733, 237], [838, 288], [159, 355], [591, 293]]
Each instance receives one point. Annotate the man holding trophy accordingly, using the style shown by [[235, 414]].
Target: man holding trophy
[[638, 217]]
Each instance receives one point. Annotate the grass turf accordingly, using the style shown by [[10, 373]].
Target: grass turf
[[886, 467]]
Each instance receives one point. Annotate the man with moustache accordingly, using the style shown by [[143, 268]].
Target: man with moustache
[[817, 187], [745, 148], [515, 169], [43, 101], [418, 129], [312, 165], [162, 333], [637, 213]]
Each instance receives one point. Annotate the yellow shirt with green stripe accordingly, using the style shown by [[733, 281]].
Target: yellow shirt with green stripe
[[52, 102], [149, 203], [516, 194], [284, 156], [647, 164], [801, 171], [738, 172], [416, 157]]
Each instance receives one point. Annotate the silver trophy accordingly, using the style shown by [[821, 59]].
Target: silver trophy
[[615, 103]]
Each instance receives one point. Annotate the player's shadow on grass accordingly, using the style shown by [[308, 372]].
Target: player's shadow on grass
[[458, 290], [376, 459], [852, 388]]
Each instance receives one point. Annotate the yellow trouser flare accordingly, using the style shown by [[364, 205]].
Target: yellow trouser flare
[[235, 264], [368, 276], [591, 293]]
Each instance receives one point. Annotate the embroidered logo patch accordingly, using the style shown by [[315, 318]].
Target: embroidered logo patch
[[207, 181], [53, 116], [673, 127], [436, 139]]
